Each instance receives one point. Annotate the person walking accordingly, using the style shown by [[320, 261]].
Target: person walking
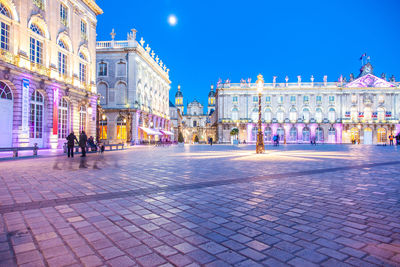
[[71, 138], [211, 141], [391, 138], [82, 143]]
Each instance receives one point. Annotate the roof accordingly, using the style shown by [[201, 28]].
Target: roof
[[370, 80], [93, 6], [171, 104], [179, 94], [211, 94]]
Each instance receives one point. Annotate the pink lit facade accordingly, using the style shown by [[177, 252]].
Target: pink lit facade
[[47, 71], [365, 110]]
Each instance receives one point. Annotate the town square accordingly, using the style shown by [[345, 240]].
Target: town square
[[212, 133]]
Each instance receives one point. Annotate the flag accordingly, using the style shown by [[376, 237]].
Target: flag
[[363, 55]]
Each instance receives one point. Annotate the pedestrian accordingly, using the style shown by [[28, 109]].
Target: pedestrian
[[211, 140], [71, 138], [82, 143], [391, 137], [398, 139], [277, 140]]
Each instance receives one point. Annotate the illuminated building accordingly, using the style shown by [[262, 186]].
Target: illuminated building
[[47, 71], [362, 110], [134, 87]]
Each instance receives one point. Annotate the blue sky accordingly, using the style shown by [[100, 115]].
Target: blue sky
[[239, 39]]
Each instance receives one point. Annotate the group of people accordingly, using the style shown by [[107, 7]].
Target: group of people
[[392, 137], [275, 139], [83, 143]]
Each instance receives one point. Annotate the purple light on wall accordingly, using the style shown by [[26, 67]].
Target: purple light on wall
[[397, 128], [312, 130], [300, 127], [274, 128], [339, 129]]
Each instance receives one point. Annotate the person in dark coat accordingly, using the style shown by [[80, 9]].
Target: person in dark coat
[[82, 143], [71, 138]]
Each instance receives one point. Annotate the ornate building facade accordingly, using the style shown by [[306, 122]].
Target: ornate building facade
[[363, 110], [134, 87], [196, 123], [47, 71]]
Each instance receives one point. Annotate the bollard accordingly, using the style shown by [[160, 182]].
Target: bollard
[[35, 149]]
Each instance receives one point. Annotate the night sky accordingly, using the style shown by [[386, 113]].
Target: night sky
[[240, 39]]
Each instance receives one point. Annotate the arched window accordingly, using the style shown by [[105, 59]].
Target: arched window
[[306, 134], [82, 118], [36, 116], [319, 135], [268, 115], [280, 115], [235, 114], [254, 115], [63, 118], [293, 115], [281, 133], [4, 11], [306, 115], [268, 134], [293, 134], [121, 92], [354, 135], [318, 115], [102, 89], [5, 91], [36, 45], [332, 115], [62, 58], [254, 132], [82, 56], [121, 128], [381, 114], [103, 127], [382, 138], [4, 29]]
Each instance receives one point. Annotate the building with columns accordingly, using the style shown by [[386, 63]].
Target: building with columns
[[362, 110], [133, 84], [47, 71]]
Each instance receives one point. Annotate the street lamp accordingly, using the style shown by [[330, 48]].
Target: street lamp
[[260, 137]]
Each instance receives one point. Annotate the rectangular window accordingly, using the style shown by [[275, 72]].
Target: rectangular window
[[121, 69], [5, 36], [268, 99], [36, 51], [235, 99], [102, 69], [306, 99], [62, 122], [64, 14], [82, 72], [331, 99], [62, 63], [280, 99], [255, 99], [84, 30], [318, 99], [292, 99]]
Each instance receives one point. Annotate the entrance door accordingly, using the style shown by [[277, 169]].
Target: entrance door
[[6, 118], [367, 136]]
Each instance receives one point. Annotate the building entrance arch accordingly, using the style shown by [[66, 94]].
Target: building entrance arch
[[367, 136], [6, 118]]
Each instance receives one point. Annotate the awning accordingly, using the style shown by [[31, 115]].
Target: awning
[[167, 132], [157, 132], [149, 131]]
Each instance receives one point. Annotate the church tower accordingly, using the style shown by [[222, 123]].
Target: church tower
[[211, 101], [179, 99]]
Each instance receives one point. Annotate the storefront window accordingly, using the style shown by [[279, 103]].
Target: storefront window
[[293, 134], [103, 128], [319, 135], [121, 128], [268, 134], [382, 135], [306, 134]]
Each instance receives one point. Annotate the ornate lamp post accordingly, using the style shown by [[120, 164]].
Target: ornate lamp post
[[260, 148]]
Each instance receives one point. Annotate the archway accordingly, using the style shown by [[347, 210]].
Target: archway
[[367, 136], [354, 135], [382, 137], [6, 118]]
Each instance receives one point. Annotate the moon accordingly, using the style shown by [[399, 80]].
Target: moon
[[172, 20]]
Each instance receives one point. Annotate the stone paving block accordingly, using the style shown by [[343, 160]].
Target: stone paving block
[[273, 263], [333, 253], [123, 261], [91, 261], [252, 254], [180, 260], [111, 252], [201, 256], [301, 262], [231, 257]]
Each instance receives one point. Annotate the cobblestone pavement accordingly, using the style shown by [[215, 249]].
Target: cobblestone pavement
[[204, 206]]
